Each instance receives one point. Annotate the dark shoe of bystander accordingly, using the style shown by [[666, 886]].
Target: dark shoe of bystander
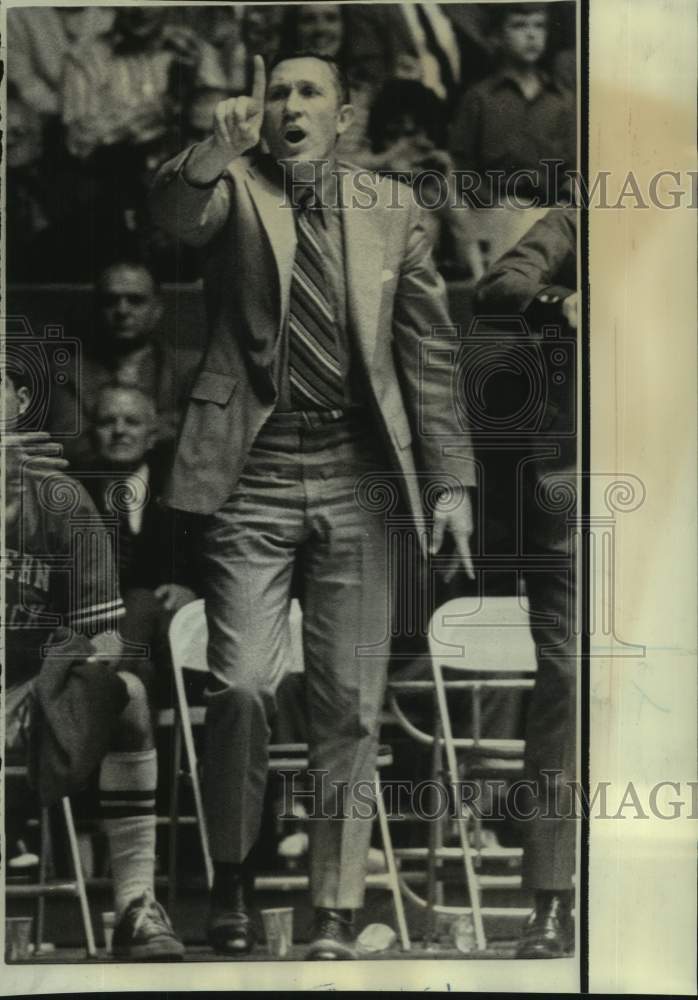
[[549, 931]]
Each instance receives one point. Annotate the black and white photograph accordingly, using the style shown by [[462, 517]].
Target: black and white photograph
[[300, 513]]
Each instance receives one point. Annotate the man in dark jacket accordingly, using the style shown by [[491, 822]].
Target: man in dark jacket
[[125, 481], [537, 281]]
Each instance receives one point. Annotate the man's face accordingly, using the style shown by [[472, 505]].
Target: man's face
[[405, 126], [524, 37], [303, 114], [261, 28], [124, 428], [128, 304], [320, 28]]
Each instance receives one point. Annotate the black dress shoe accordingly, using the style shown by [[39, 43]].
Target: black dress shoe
[[333, 936], [230, 928], [549, 931]]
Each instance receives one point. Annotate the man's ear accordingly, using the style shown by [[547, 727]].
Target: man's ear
[[24, 398], [153, 433], [345, 119]]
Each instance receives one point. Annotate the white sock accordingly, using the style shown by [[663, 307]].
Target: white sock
[[127, 783]]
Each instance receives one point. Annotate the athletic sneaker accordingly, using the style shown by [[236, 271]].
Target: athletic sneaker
[[145, 934]]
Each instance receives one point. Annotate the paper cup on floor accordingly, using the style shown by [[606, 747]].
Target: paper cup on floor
[[18, 932], [108, 921], [278, 930]]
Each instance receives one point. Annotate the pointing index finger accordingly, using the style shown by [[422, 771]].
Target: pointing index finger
[[259, 80]]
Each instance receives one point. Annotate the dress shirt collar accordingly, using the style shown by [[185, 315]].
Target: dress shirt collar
[[506, 77], [138, 481], [327, 185]]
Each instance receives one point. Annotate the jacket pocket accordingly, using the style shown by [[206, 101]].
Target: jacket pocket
[[214, 387]]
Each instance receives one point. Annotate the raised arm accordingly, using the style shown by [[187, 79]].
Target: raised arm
[[190, 196]]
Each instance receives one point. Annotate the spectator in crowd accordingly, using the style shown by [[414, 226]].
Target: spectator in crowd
[[319, 28], [519, 116], [29, 208], [537, 280], [126, 87], [256, 29], [70, 706], [415, 41], [125, 482], [407, 131], [122, 97], [39, 41], [44, 203], [129, 351]]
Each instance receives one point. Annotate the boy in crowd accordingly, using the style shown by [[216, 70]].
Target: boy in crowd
[[518, 117]]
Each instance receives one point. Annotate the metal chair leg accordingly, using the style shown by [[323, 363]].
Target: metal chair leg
[[434, 842], [392, 868], [470, 876], [173, 833], [192, 762], [79, 879], [44, 861]]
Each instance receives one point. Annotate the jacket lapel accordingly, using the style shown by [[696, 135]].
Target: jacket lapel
[[364, 248], [278, 225]]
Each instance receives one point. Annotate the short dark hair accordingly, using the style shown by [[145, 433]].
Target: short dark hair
[[500, 12], [340, 77], [398, 96]]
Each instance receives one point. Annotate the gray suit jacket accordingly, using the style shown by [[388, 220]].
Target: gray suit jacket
[[395, 300]]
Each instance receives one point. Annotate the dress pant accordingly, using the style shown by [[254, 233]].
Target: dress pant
[[294, 510], [551, 586]]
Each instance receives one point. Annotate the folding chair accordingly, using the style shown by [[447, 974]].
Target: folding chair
[[47, 886], [471, 635], [188, 638]]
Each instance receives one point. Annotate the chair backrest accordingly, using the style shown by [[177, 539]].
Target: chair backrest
[[483, 634], [189, 636]]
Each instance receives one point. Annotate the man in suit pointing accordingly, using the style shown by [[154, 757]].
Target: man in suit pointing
[[321, 297]]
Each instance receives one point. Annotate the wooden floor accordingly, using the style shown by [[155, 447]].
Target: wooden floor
[[502, 950]]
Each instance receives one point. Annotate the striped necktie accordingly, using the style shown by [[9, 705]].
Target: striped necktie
[[314, 369]]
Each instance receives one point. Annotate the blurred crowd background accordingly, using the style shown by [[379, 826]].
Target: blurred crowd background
[[99, 97]]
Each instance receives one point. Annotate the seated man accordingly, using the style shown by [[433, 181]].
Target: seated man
[[67, 700], [124, 484], [130, 351]]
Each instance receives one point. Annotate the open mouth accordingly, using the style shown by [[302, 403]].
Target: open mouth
[[294, 135]]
